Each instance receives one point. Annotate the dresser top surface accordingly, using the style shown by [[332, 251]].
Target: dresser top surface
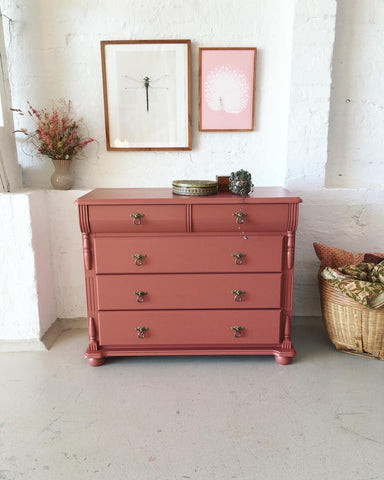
[[119, 196]]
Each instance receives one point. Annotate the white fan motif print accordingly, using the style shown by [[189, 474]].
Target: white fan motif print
[[226, 88]]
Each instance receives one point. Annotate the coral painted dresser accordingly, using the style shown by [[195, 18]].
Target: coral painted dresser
[[183, 275]]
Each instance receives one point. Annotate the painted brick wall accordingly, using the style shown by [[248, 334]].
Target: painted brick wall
[[356, 140], [54, 52]]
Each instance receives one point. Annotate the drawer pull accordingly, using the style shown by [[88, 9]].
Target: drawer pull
[[141, 331], [240, 217], [238, 293], [137, 218], [237, 331], [140, 295], [139, 258], [239, 258]]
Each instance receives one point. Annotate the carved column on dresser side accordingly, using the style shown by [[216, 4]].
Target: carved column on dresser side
[[85, 230], [286, 344], [90, 287], [94, 354], [92, 346]]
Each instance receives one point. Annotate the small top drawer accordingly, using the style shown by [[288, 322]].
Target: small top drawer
[[137, 218], [246, 217]]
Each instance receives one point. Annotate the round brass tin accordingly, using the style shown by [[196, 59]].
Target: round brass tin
[[194, 187]]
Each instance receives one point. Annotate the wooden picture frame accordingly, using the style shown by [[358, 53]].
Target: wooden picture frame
[[147, 94], [227, 89]]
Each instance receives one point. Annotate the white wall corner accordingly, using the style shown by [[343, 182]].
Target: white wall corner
[[356, 141], [28, 305], [312, 50], [67, 253], [19, 314], [42, 251]]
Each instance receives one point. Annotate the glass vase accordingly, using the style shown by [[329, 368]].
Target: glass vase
[[62, 178]]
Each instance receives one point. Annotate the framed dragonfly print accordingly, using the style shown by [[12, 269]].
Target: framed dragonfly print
[[147, 94], [226, 89]]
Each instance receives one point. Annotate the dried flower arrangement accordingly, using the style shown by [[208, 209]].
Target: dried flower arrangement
[[57, 135]]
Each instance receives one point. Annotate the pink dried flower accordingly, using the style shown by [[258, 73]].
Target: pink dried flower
[[57, 135]]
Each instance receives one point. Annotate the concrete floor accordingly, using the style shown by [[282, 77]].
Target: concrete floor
[[200, 418]]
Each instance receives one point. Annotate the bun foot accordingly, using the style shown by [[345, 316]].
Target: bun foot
[[283, 360], [96, 362]]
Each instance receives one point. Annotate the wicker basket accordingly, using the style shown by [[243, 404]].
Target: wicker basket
[[352, 328]]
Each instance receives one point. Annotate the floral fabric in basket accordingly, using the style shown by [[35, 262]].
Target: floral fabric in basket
[[364, 282]]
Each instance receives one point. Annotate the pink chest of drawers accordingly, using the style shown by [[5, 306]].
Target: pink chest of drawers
[[175, 275]]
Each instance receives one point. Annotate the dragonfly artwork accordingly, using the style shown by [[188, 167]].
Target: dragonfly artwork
[[147, 83], [147, 95]]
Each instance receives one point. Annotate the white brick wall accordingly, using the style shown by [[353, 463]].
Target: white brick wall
[[54, 52], [356, 140]]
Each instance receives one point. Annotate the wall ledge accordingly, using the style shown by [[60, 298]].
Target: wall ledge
[[340, 196], [49, 338], [28, 345]]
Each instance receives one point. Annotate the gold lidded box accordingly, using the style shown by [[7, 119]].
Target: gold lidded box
[[194, 187]]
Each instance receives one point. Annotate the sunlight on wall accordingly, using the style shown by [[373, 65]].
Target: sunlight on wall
[[356, 140]]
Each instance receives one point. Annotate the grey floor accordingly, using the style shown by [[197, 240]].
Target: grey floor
[[200, 418]]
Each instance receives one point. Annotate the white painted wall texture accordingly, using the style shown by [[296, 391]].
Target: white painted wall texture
[[19, 315], [55, 53], [10, 171], [305, 58], [356, 140]]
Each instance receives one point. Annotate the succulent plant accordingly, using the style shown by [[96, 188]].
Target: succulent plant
[[240, 182]]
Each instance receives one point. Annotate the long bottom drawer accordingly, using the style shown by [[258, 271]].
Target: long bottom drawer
[[189, 327]]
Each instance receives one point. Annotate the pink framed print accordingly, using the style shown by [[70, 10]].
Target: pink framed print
[[226, 89]]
